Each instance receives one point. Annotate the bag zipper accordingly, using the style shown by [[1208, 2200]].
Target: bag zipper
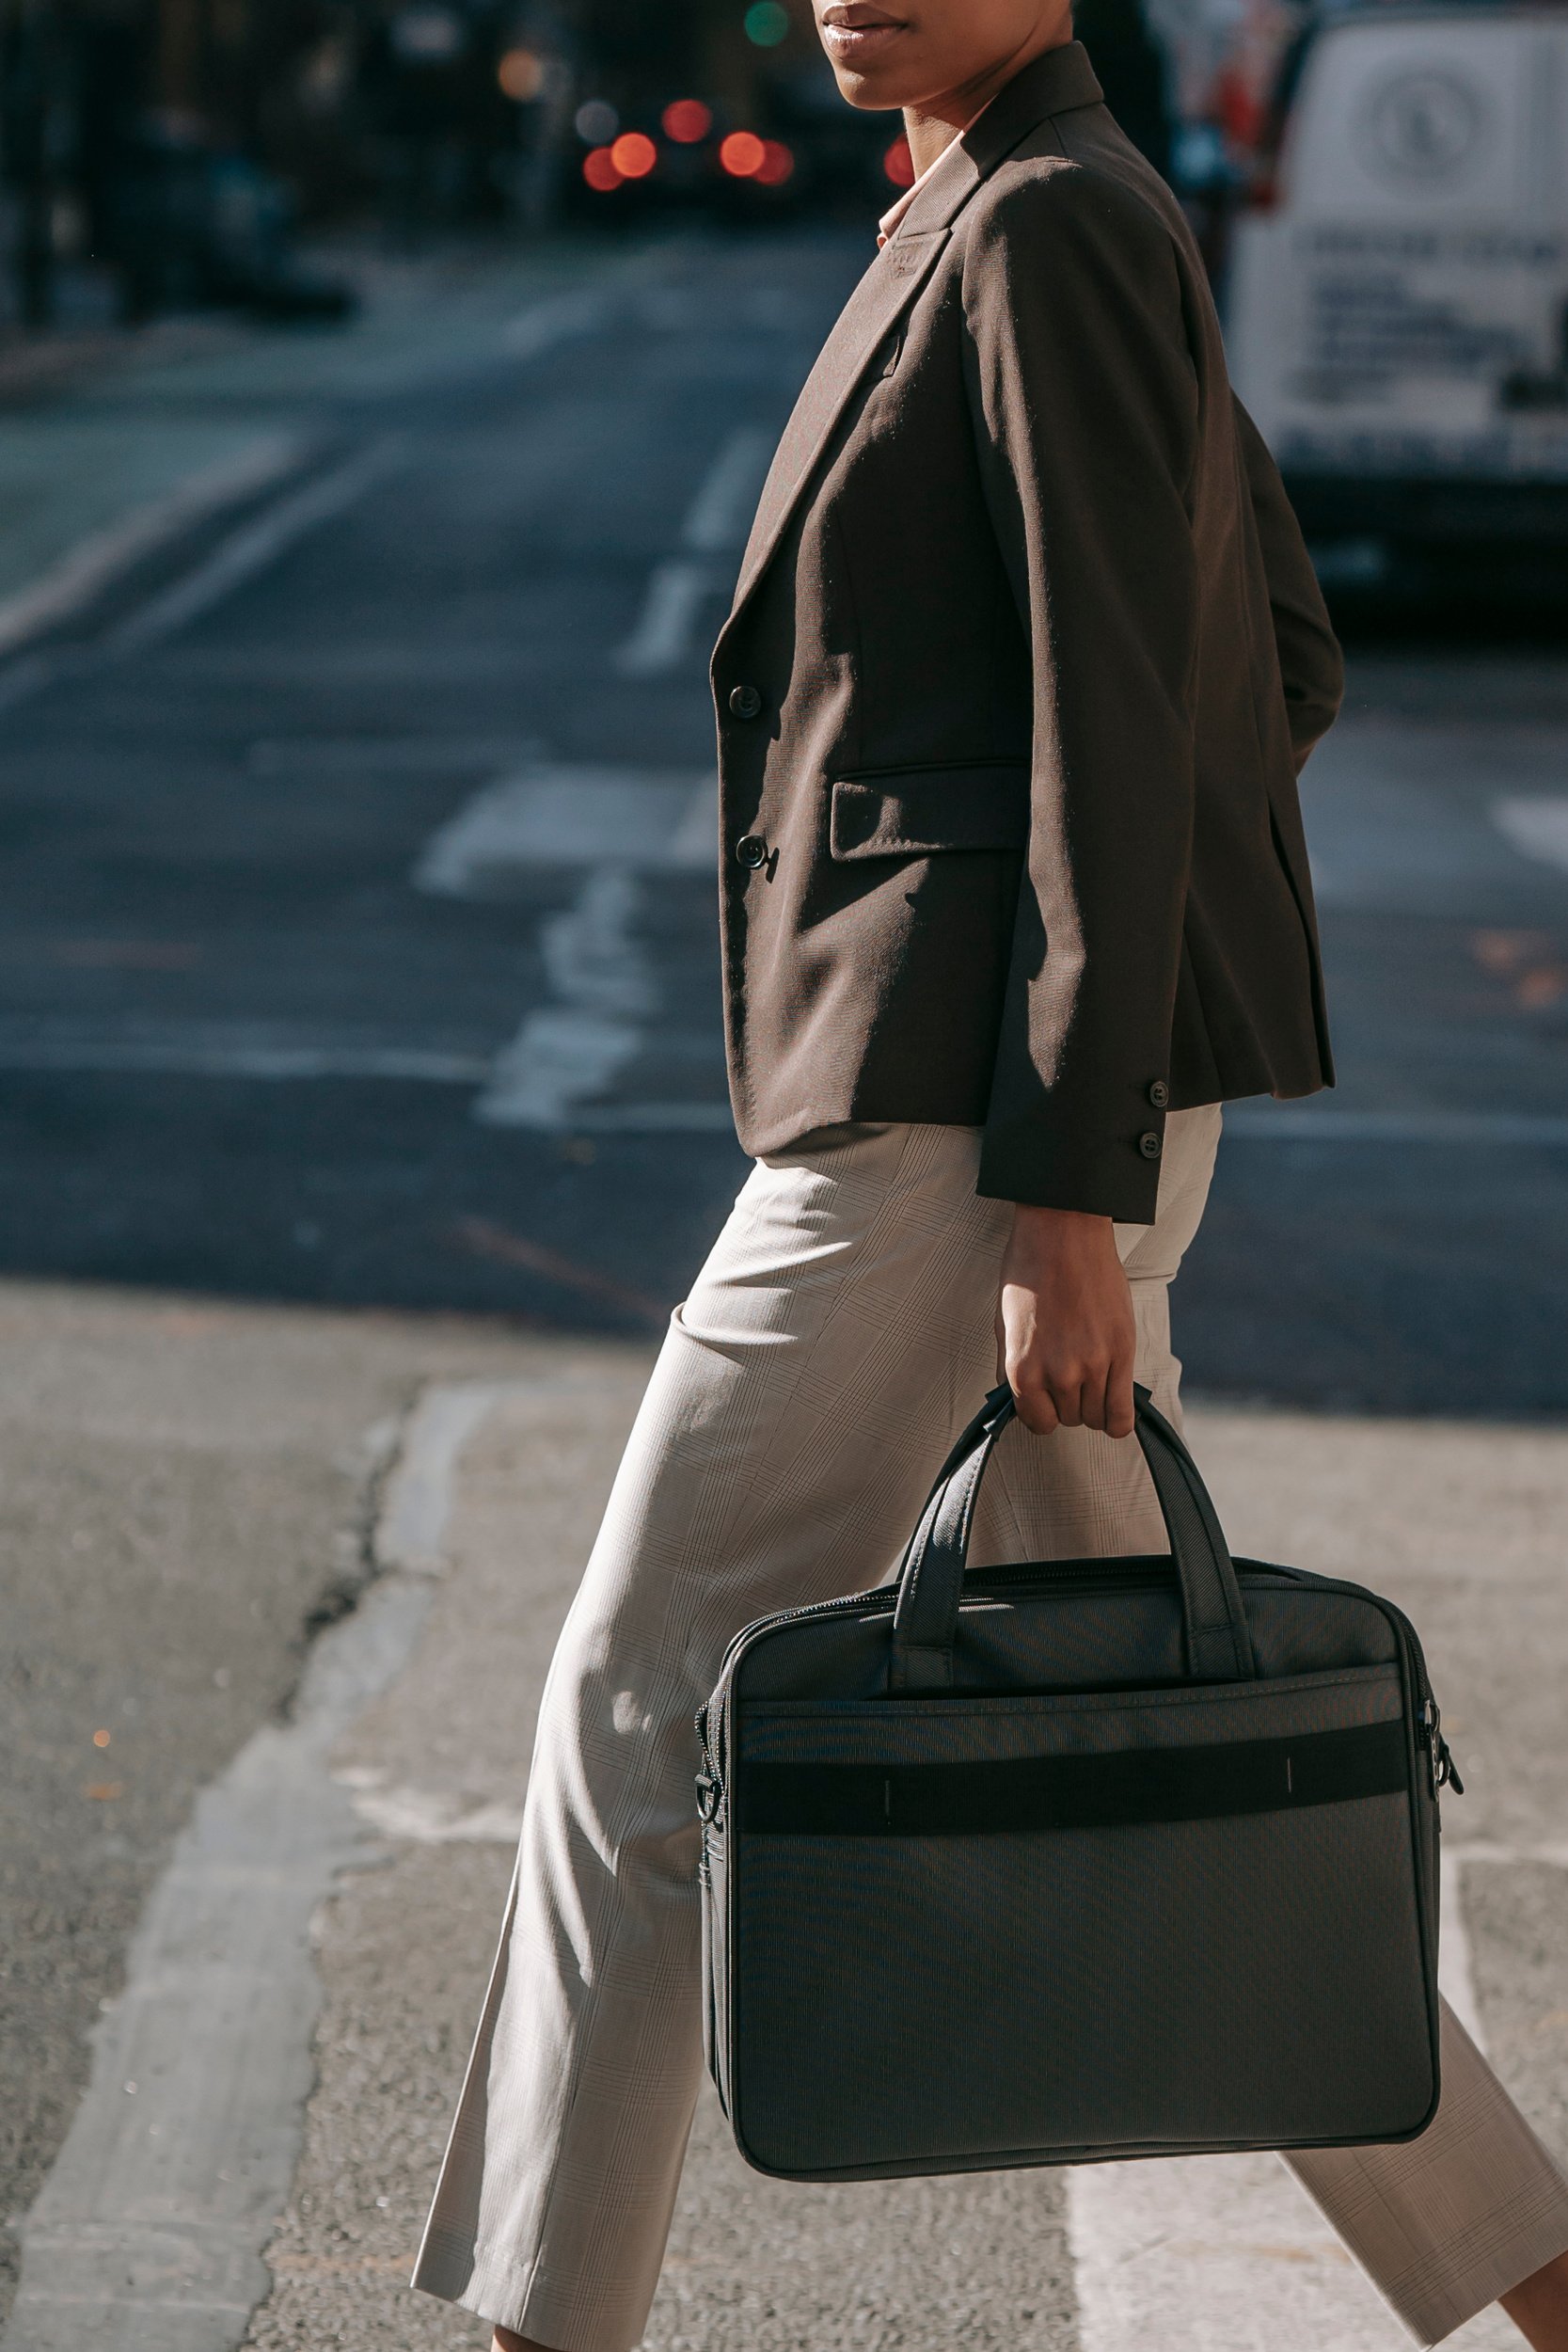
[[1443, 1775]]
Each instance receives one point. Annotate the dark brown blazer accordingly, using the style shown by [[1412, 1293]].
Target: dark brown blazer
[[1025, 659]]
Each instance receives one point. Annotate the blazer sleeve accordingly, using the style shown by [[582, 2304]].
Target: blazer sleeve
[[1085, 401], [1312, 667]]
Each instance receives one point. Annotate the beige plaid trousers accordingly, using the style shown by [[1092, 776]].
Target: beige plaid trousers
[[839, 1336]]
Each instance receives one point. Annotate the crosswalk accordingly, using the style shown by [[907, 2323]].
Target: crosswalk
[[616, 834], [1435, 819], [620, 827], [1536, 826], [684, 590]]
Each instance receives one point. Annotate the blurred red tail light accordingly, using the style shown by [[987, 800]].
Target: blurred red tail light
[[743, 154], [686, 120], [634, 155], [899, 163]]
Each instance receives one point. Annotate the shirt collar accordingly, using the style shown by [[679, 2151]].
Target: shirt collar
[[889, 224]]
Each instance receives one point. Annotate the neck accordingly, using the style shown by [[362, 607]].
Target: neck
[[933, 125]]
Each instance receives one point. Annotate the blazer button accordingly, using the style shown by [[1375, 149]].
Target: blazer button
[[752, 850], [1159, 1094], [1150, 1147], [745, 701]]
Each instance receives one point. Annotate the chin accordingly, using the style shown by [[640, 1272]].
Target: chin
[[871, 92], [862, 92]]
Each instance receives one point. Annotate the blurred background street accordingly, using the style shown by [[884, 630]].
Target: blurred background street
[[359, 930], [384, 394]]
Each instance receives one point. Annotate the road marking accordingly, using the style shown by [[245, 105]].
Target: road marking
[[1404, 818], [1536, 826], [1288, 1122], [549, 815], [546, 324], [254, 547], [715, 524], [567, 1051], [605, 994], [619, 823], [678, 591], [86, 570], [557, 1060], [720, 513], [424, 1817], [151, 2230]]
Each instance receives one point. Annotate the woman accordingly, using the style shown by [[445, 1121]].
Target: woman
[[1024, 660]]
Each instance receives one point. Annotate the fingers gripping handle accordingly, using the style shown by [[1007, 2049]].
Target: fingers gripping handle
[[930, 1583]]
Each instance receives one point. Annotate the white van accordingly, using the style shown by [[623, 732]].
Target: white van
[[1397, 319]]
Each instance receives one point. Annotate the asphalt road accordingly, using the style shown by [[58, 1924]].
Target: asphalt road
[[357, 895]]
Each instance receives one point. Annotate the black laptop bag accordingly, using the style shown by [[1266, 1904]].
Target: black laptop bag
[[1071, 1859]]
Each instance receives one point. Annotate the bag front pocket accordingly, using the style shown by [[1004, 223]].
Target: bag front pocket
[[992, 1930]]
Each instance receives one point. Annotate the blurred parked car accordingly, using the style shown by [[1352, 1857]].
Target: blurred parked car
[[796, 147], [1397, 305], [196, 225]]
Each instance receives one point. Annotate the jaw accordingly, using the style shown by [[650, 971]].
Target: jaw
[[865, 92], [870, 63], [919, 66]]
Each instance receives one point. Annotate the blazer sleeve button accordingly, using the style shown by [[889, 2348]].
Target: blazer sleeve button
[[745, 701], [751, 851], [1150, 1146], [1159, 1094]]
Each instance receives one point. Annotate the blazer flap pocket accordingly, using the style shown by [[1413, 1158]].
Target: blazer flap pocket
[[916, 812]]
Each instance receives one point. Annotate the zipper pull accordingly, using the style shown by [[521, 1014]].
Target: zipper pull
[[710, 1789], [1444, 1774]]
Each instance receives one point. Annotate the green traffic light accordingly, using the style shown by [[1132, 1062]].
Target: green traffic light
[[767, 23]]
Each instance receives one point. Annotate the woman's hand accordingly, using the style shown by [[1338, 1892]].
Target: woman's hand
[[1064, 1334]]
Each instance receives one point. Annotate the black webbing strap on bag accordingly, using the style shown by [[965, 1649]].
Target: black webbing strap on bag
[[1054, 1793]]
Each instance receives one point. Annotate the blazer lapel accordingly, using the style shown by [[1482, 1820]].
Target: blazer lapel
[[869, 316], [1063, 78]]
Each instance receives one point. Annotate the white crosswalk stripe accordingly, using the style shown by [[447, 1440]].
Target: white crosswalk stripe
[[550, 814], [1537, 825], [683, 587], [620, 824]]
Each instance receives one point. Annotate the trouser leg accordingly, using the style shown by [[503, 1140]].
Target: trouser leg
[[1444, 2224], [838, 1338]]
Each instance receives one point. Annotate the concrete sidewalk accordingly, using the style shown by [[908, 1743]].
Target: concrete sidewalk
[[483, 1535], [231, 2178]]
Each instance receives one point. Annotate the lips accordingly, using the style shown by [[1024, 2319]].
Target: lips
[[856, 31]]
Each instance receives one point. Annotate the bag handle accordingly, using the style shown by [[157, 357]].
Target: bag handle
[[930, 1581]]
